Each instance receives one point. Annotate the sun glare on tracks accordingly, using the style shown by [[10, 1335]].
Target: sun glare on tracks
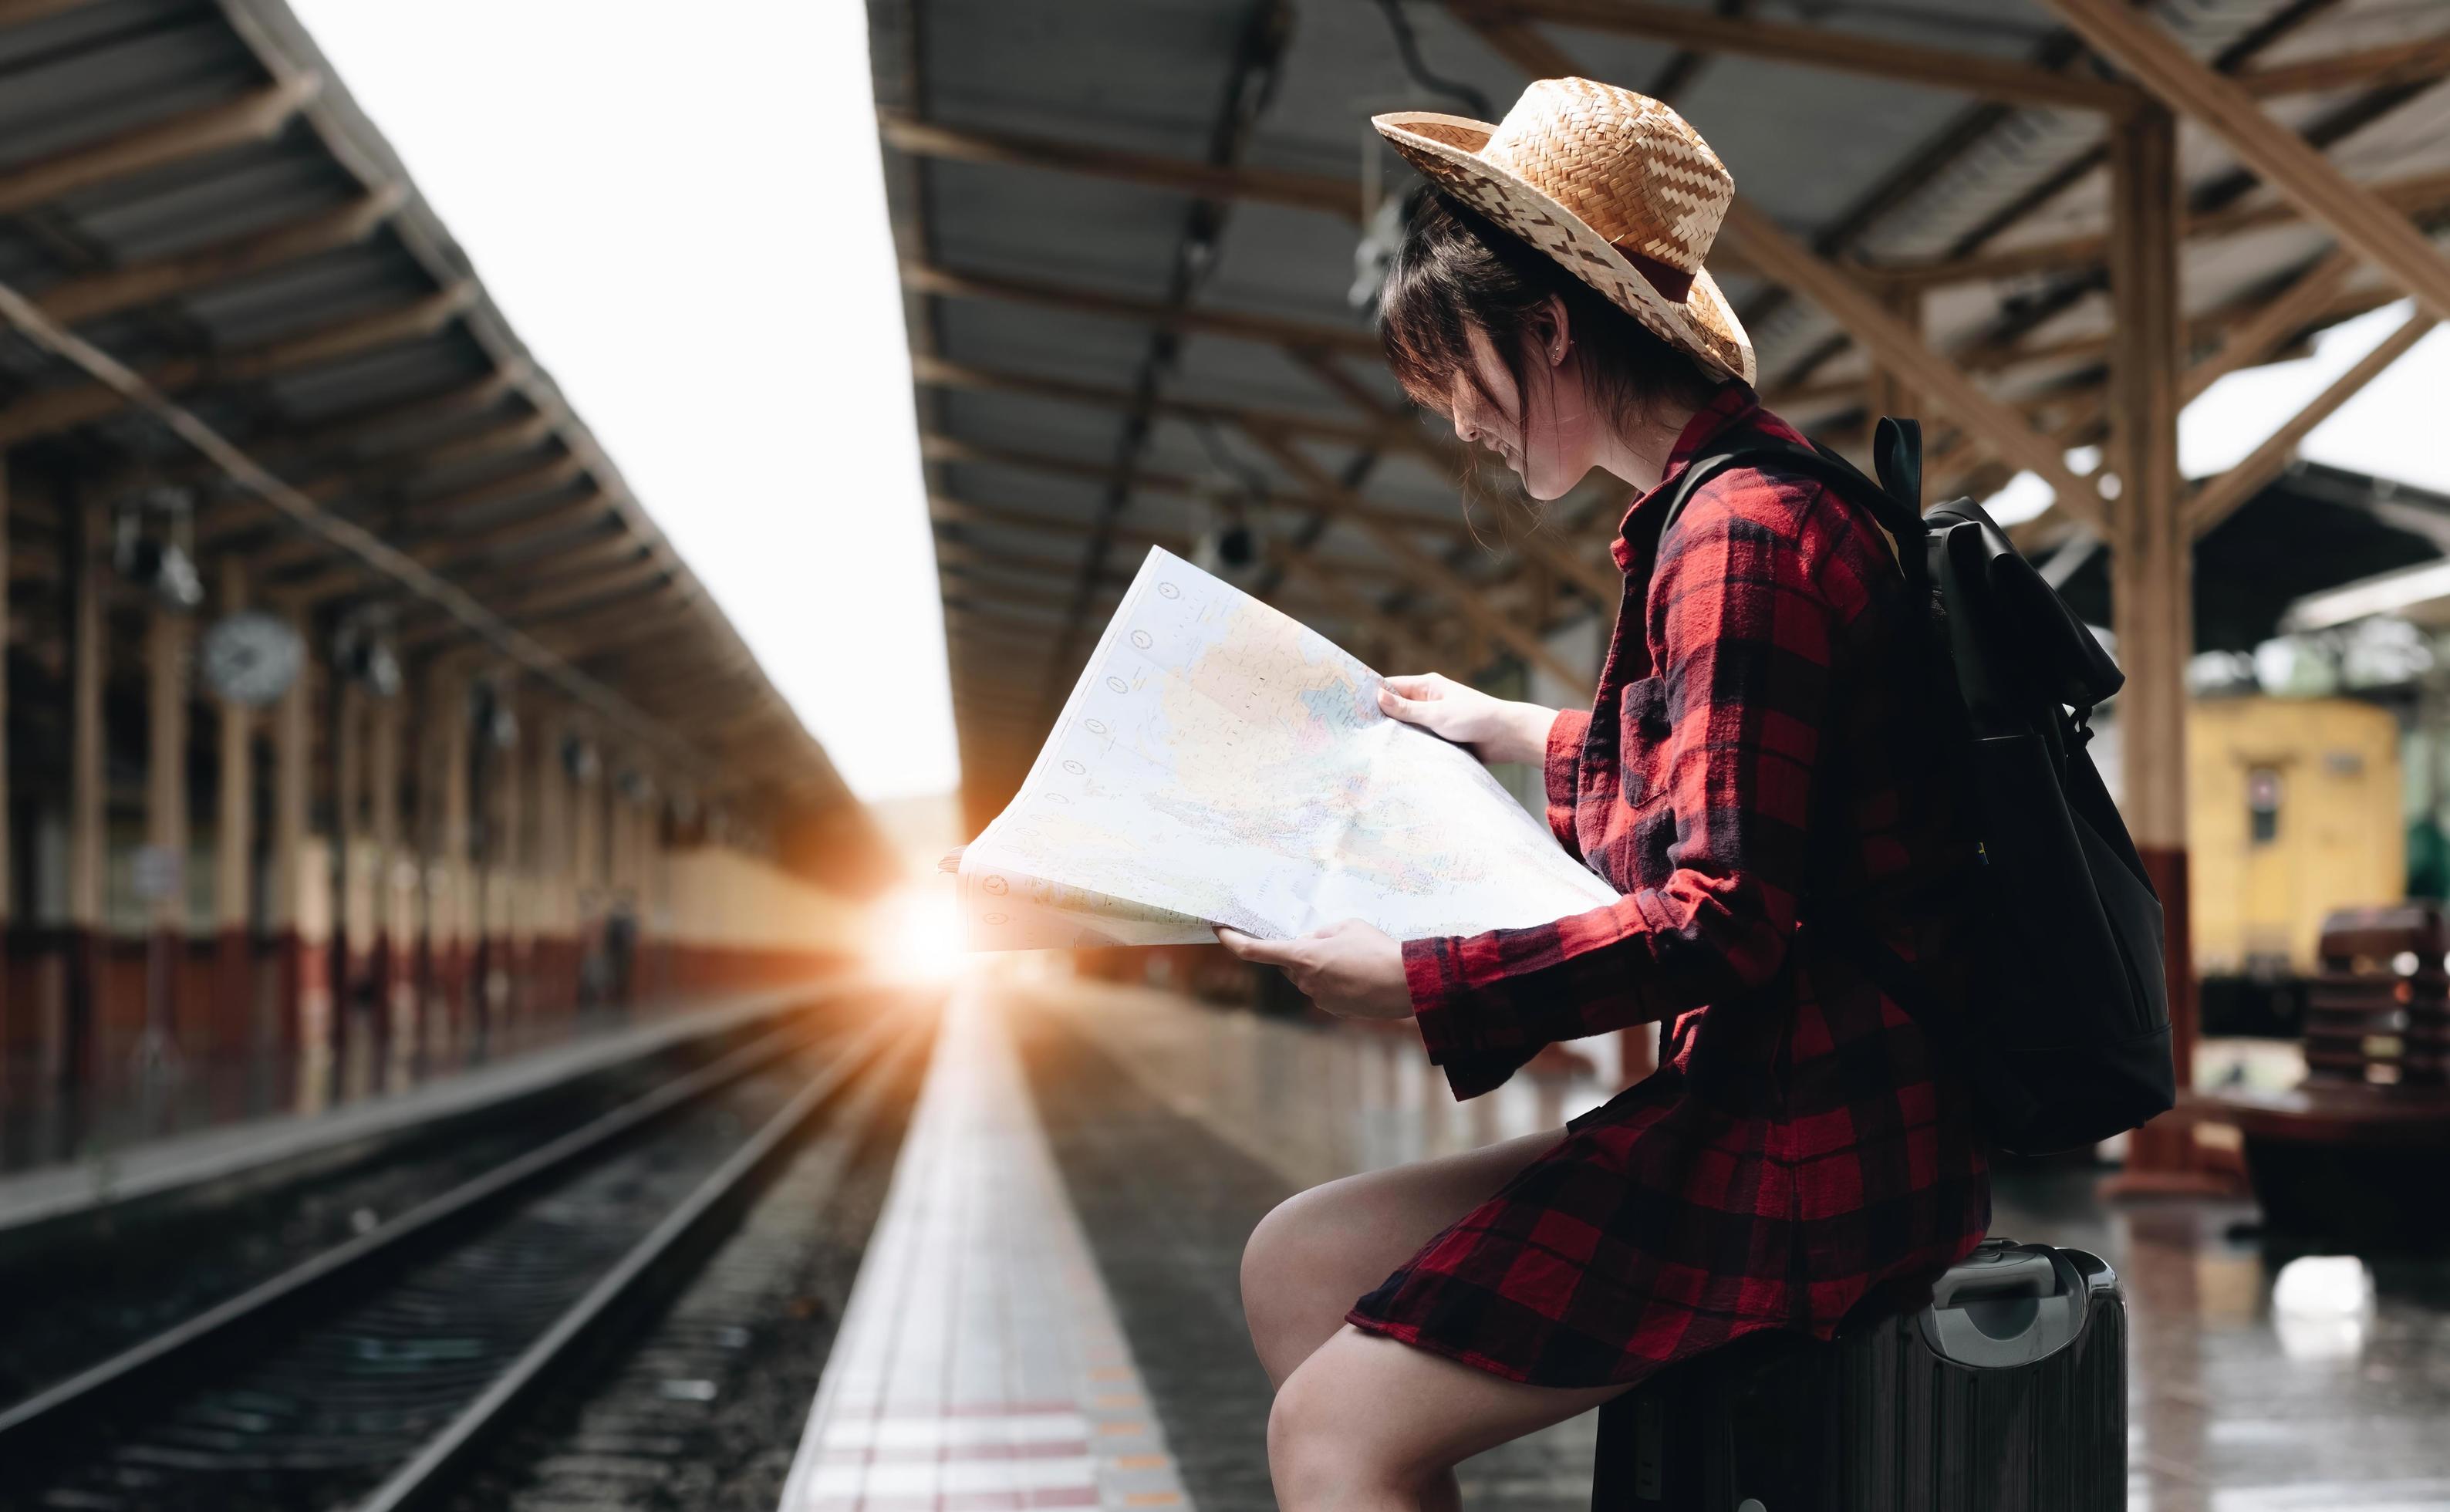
[[919, 933]]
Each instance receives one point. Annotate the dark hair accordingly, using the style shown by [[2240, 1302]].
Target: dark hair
[[1454, 270]]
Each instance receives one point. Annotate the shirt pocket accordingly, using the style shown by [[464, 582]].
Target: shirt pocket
[[1642, 729]]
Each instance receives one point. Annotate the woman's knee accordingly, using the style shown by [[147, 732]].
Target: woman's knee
[[1290, 1279]]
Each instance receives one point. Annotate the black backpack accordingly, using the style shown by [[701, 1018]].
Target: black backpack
[[2065, 1033]]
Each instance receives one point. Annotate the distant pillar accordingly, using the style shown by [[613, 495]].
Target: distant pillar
[[345, 709], [458, 914], [166, 824], [2152, 572], [389, 896], [8, 1033], [509, 925], [549, 862], [298, 996], [586, 875], [234, 989], [78, 1047]]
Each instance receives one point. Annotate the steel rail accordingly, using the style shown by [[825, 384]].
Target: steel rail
[[430, 1474], [48, 1424]]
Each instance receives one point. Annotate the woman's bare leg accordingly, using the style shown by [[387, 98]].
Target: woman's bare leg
[[1319, 1250], [1368, 1424]]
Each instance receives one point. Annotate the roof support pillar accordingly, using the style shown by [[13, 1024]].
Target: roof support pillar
[[296, 923], [234, 856], [389, 921], [7, 854], [551, 960], [166, 827], [77, 1055], [2151, 568], [452, 902], [345, 711]]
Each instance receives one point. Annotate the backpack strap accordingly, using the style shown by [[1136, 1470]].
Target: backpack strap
[[1894, 502]]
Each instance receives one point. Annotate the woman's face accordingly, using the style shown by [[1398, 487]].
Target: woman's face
[[1549, 437]]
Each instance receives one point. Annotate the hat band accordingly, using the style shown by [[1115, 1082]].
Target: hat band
[[1672, 283]]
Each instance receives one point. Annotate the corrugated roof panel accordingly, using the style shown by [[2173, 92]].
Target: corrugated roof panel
[[201, 201], [55, 101]]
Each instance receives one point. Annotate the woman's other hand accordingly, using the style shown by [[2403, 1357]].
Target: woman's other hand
[[1351, 969], [1497, 729]]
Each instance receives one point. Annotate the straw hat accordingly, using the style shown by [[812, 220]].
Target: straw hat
[[1610, 183]]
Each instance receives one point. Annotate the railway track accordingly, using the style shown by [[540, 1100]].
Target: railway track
[[372, 1375]]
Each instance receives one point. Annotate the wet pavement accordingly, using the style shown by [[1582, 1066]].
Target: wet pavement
[[2263, 1377]]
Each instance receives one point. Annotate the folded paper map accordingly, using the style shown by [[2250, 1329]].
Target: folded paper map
[[1219, 762]]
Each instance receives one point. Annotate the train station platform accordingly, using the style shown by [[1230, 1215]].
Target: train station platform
[[1049, 1311], [314, 1132]]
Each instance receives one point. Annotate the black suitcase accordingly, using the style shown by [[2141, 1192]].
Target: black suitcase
[[2006, 1393]]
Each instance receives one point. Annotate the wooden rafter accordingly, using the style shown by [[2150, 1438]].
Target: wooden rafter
[[1882, 58], [1206, 181], [95, 295], [951, 449], [2293, 166], [61, 409], [941, 374], [250, 118], [1203, 319], [2422, 194]]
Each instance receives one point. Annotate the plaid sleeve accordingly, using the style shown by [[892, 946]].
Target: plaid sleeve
[[1744, 637], [1565, 759]]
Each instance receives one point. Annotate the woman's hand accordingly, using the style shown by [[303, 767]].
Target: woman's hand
[[1350, 969], [1497, 729]]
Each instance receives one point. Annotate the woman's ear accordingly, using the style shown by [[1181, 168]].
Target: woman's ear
[[1556, 333]]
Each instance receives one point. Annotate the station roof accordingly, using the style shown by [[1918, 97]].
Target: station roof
[[1128, 236], [188, 193]]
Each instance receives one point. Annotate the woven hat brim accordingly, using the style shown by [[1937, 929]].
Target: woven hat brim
[[1446, 149]]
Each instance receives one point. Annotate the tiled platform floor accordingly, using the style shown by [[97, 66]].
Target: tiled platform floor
[[979, 1366], [1121, 1143]]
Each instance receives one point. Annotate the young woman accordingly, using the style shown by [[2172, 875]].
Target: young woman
[[1760, 745]]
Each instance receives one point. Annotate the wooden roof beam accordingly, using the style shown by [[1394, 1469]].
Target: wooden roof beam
[[937, 373], [942, 448], [1698, 30], [1270, 330], [1190, 177], [2382, 68], [2362, 220], [94, 294], [946, 510], [431, 517], [64, 408], [2417, 195], [252, 117]]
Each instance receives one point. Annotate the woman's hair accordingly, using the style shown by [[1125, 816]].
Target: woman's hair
[[1454, 270]]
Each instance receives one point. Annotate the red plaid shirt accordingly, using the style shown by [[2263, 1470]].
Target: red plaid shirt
[[1758, 738]]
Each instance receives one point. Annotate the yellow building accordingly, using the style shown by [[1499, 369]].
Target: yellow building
[[2294, 809]]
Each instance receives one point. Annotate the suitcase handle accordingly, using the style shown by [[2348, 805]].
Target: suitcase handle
[[2005, 1307], [2028, 1274]]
